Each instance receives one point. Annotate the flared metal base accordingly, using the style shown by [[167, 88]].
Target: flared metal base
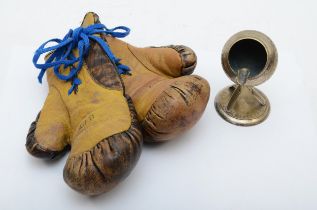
[[246, 108]]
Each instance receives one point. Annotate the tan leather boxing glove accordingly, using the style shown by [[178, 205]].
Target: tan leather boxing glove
[[98, 121], [167, 99]]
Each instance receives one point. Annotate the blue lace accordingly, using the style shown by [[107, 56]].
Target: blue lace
[[62, 53]]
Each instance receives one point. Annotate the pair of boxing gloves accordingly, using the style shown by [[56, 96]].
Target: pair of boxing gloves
[[104, 120]]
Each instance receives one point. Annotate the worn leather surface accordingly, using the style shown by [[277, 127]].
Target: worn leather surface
[[168, 101], [99, 122]]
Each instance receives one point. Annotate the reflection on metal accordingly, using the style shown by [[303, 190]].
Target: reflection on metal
[[249, 58]]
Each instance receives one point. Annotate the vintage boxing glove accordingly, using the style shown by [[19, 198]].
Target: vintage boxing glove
[[167, 99], [96, 118]]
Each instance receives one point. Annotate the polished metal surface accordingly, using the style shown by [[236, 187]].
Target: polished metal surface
[[249, 58]]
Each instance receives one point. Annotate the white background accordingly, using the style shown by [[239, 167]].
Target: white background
[[213, 166]]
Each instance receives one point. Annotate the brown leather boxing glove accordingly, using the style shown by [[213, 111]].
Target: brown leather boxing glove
[[167, 99], [98, 121]]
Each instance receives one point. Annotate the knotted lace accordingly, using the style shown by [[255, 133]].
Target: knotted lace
[[62, 54]]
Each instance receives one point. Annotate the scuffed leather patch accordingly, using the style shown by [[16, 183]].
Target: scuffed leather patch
[[102, 69]]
